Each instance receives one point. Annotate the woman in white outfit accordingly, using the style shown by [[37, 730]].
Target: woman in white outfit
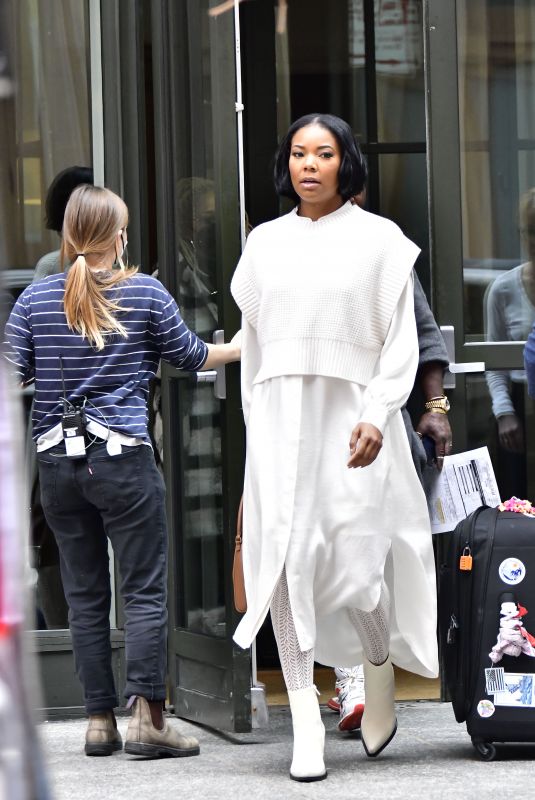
[[336, 532]]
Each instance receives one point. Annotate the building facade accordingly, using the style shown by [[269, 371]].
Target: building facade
[[178, 106]]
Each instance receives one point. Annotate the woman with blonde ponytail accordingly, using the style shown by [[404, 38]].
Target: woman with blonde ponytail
[[85, 244], [92, 337]]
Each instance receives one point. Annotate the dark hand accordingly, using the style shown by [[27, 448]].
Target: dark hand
[[437, 426], [511, 433], [365, 443]]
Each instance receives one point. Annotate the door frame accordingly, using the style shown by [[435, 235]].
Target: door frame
[[230, 707]]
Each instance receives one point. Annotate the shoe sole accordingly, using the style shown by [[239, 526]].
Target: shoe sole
[[310, 778], [333, 704], [159, 750], [352, 721], [385, 744], [102, 749]]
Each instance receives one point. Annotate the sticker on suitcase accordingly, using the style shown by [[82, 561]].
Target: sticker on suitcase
[[494, 680], [485, 708], [512, 571], [518, 690]]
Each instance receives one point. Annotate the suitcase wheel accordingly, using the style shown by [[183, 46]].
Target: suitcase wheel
[[485, 750]]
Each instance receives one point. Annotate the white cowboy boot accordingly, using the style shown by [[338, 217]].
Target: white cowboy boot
[[309, 736], [379, 722]]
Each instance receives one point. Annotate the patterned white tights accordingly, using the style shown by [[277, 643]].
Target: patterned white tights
[[297, 665], [373, 628]]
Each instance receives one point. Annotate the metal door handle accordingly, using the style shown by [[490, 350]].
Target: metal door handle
[[206, 376], [467, 366], [456, 368], [215, 376]]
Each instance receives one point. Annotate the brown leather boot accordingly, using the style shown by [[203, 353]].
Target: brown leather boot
[[102, 737], [143, 739]]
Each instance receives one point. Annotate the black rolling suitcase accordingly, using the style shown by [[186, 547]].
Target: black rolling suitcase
[[496, 700]]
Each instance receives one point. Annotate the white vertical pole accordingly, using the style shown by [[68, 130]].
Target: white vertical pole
[[258, 695], [97, 124], [241, 187], [239, 120], [97, 107], [241, 190]]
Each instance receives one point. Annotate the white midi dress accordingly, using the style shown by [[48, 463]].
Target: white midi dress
[[338, 532]]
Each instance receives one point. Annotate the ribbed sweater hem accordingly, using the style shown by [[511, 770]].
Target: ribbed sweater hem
[[315, 356]]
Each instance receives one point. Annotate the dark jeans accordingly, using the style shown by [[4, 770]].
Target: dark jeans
[[86, 501]]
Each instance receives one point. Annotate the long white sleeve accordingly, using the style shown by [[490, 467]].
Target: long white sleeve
[[498, 381], [250, 364], [389, 390]]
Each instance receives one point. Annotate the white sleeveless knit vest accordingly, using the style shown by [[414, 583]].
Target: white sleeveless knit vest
[[321, 295]]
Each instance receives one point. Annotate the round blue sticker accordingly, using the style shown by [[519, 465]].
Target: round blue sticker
[[512, 571]]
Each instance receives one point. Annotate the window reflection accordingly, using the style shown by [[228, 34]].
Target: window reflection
[[44, 128], [47, 120], [403, 175], [511, 458], [497, 128], [399, 55], [322, 66], [510, 313]]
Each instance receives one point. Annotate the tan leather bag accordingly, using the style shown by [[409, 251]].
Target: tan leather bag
[[240, 600]]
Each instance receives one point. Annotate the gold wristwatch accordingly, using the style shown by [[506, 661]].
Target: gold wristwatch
[[439, 405]]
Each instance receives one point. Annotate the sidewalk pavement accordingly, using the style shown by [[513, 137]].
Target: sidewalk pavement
[[430, 758]]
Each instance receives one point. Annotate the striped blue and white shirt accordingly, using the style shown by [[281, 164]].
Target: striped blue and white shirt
[[115, 380]]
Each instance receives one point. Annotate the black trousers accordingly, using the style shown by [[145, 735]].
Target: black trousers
[[121, 498]]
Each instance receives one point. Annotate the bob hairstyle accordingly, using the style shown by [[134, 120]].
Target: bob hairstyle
[[59, 192], [353, 170]]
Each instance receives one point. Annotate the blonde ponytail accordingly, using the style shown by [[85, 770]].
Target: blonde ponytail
[[93, 218]]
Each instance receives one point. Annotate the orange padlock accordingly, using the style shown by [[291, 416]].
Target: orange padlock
[[465, 563]]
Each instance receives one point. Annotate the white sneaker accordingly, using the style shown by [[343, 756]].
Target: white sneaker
[[350, 691]]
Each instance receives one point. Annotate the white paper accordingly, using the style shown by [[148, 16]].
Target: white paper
[[466, 482]]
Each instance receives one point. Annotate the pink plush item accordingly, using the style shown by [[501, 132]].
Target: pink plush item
[[513, 638], [519, 506]]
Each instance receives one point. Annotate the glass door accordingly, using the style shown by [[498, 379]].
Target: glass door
[[198, 215], [45, 129], [481, 124]]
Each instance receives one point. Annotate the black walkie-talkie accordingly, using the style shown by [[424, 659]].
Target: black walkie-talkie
[[72, 423]]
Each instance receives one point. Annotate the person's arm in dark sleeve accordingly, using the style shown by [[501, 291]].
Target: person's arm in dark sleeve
[[430, 341], [433, 360]]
